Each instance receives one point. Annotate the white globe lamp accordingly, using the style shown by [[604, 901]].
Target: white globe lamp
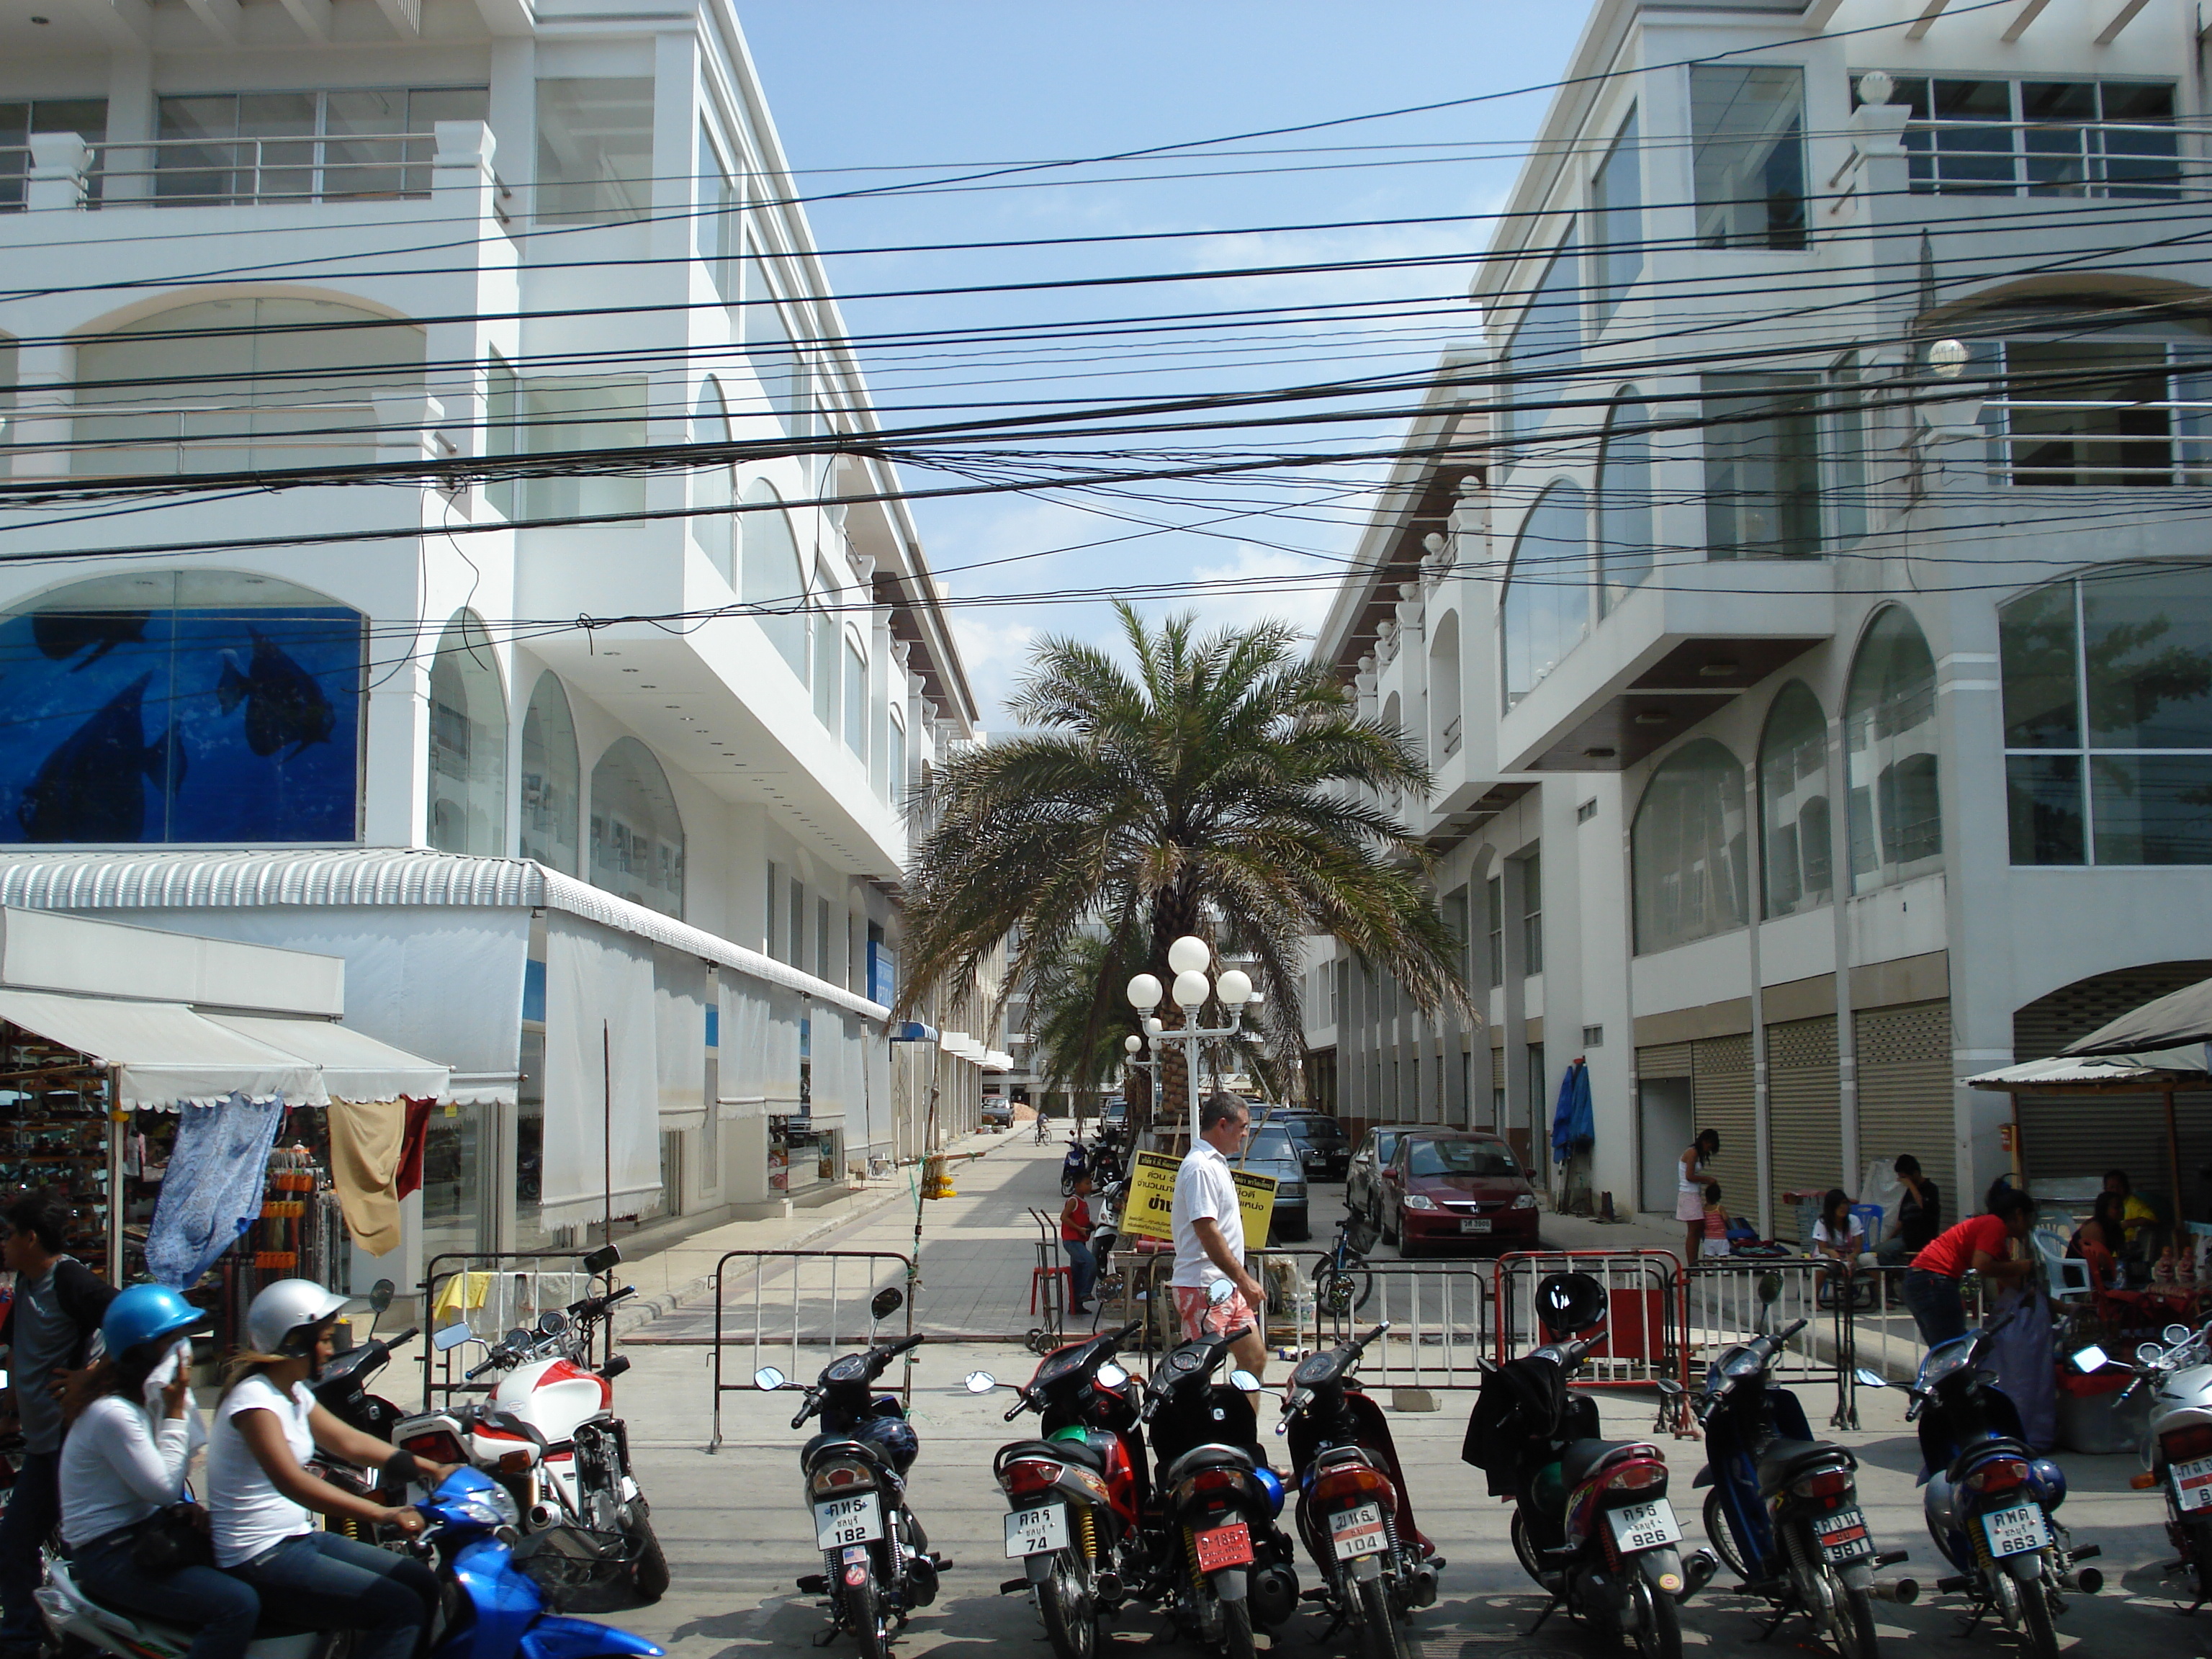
[[1235, 987], [1191, 989], [1144, 994], [1189, 955]]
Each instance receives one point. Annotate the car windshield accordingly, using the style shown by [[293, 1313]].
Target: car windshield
[[1268, 1144], [1318, 1129], [1460, 1157], [1386, 1143]]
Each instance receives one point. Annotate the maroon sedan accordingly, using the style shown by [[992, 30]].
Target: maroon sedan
[[1451, 1186]]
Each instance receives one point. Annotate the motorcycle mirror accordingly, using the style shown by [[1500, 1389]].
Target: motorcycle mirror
[[1669, 1388], [1111, 1375], [2148, 1353], [1218, 1292], [2091, 1358], [886, 1302], [380, 1295], [1868, 1379], [1243, 1381], [516, 1338], [981, 1382], [603, 1260], [2174, 1334], [767, 1379], [452, 1337], [552, 1322]]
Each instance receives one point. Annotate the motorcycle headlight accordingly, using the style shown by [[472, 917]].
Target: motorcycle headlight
[[491, 1506], [1419, 1201]]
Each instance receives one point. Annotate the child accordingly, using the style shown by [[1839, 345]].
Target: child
[[1075, 1228], [1715, 1242]]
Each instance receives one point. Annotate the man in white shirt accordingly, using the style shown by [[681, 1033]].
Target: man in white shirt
[[1209, 1237]]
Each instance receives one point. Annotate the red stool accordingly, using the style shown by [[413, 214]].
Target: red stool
[[1038, 1276]]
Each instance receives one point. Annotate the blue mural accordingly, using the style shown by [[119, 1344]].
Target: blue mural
[[225, 726]]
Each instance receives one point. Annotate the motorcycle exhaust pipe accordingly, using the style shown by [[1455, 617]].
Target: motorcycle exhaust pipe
[[2081, 1581], [1422, 1592], [1903, 1592], [1698, 1572], [543, 1516]]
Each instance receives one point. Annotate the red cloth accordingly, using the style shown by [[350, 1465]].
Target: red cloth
[[410, 1147], [1951, 1253], [1075, 1222]]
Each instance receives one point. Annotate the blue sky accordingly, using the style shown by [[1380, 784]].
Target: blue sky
[[862, 88]]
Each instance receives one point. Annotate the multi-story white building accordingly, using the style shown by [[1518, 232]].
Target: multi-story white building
[[1802, 592], [595, 776]]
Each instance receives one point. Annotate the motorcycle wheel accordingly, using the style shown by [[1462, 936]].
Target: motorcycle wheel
[[1071, 1617], [1658, 1623], [1379, 1636], [1853, 1634], [1236, 1630], [2197, 1539], [648, 1571], [1525, 1548], [1722, 1539], [2038, 1631], [863, 1607], [1341, 1292]]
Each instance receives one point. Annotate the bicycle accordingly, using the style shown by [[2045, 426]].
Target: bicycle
[[1342, 1282], [1042, 1127]]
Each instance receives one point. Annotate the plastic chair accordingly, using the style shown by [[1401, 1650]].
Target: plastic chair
[[2067, 1277]]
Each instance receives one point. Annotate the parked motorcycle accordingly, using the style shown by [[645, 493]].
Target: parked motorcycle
[[1074, 1167], [1355, 1514], [491, 1608], [1989, 1501], [2176, 1445], [1078, 1494], [1592, 1524], [877, 1565], [342, 1388]]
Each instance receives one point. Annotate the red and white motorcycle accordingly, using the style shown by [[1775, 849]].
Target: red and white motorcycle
[[548, 1433]]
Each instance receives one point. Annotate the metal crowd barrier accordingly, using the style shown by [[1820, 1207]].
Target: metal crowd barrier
[[801, 1298], [1644, 1340], [495, 1292]]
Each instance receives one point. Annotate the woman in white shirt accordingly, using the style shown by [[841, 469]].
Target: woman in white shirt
[[1839, 1236], [131, 1431], [260, 1492]]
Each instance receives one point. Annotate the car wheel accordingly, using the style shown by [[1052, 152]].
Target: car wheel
[[1383, 1225], [1407, 1247]]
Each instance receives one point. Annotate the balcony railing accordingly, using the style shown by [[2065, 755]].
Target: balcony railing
[[2095, 442], [1451, 736], [183, 439], [2047, 158], [245, 172]]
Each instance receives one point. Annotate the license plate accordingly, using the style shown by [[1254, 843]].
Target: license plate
[[1359, 1531], [1843, 1535], [2192, 1484], [1475, 1224], [2015, 1531], [1644, 1526], [1036, 1532], [1224, 1547], [841, 1521]]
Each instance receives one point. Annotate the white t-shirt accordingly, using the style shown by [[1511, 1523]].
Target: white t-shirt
[[119, 1466], [250, 1516], [1854, 1241], [1204, 1191]]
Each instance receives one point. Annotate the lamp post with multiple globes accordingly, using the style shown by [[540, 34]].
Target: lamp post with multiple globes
[[1188, 958]]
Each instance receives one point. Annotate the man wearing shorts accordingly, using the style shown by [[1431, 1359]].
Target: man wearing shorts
[[1209, 1236]]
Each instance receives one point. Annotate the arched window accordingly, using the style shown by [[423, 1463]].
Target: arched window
[[467, 743], [232, 384], [711, 485], [1889, 745], [1793, 803], [1547, 608], [637, 839], [1624, 504], [550, 778], [208, 706], [774, 578], [1444, 711], [1687, 848]]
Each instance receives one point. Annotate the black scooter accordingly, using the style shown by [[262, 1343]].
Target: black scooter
[[342, 1388]]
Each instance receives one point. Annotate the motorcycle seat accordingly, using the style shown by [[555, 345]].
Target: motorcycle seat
[[1057, 1451], [1782, 1461], [1583, 1458], [840, 1445], [267, 1630], [1210, 1456]]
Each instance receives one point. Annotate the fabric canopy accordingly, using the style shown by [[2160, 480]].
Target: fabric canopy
[[602, 1133], [679, 1024], [2179, 1018], [2184, 1067], [166, 1054], [354, 1066]]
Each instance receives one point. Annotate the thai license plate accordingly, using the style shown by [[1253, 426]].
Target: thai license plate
[[1644, 1526], [1843, 1535], [1223, 1546], [1475, 1224], [1359, 1531], [841, 1521], [2192, 1484], [1036, 1532], [2015, 1531]]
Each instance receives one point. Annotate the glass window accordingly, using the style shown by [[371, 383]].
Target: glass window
[[1847, 442], [770, 937], [594, 149], [895, 765], [502, 429], [712, 486], [201, 706], [551, 778], [1793, 802], [1686, 849], [566, 414], [1889, 744], [821, 938], [1494, 898], [1460, 1157], [1617, 221], [826, 677], [2115, 138], [1532, 914], [1748, 155], [637, 837], [798, 923], [1624, 552], [1548, 341], [856, 701], [20, 118], [1546, 611], [467, 743], [354, 144], [1762, 466], [772, 581], [720, 232], [778, 357]]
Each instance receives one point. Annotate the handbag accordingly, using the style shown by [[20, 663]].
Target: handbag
[[172, 1539]]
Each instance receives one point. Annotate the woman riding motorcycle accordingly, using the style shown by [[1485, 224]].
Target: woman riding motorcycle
[[132, 1428], [259, 1491]]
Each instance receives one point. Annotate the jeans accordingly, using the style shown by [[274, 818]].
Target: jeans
[[1936, 1305], [1893, 1252], [222, 1609], [1085, 1273], [326, 1581], [34, 1509]]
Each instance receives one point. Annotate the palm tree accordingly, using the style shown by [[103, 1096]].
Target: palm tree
[[1225, 788]]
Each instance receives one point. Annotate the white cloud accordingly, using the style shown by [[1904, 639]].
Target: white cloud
[[1259, 584]]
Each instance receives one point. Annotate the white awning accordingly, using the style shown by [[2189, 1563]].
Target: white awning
[[354, 1067], [167, 1054], [998, 1059]]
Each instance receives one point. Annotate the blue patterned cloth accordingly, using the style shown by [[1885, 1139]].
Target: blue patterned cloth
[[212, 1192]]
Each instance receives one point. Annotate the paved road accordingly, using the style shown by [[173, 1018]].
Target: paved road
[[737, 1534]]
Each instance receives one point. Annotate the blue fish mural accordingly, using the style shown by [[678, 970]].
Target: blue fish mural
[[93, 786], [283, 702], [59, 633]]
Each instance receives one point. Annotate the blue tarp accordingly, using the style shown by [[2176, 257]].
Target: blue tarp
[[1574, 1126]]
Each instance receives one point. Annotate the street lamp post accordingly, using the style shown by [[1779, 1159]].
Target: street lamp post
[[1187, 960]]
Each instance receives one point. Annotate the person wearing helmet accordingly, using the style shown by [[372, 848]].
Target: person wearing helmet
[[132, 1429], [260, 1492]]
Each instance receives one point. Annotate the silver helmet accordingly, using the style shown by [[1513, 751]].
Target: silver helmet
[[283, 1318]]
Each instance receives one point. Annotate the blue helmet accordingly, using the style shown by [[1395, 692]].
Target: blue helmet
[[146, 1313]]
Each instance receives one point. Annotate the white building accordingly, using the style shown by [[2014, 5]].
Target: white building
[[641, 874], [1811, 729]]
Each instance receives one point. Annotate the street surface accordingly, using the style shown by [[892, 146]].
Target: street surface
[[737, 1534]]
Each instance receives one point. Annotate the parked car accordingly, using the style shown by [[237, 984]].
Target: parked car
[[1326, 1149], [997, 1113], [1451, 1186], [1271, 1151], [1362, 1176]]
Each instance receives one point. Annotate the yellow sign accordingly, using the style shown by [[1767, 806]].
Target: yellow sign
[[1149, 1211]]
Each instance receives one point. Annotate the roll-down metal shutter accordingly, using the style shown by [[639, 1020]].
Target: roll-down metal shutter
[[1905, 1095], [1665, 1060], [1801, 1114], [1720, 1085]]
